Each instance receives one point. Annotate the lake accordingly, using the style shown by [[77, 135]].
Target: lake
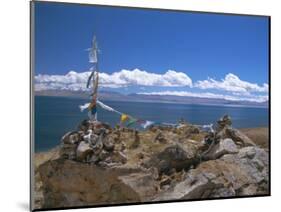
[[54, 116]]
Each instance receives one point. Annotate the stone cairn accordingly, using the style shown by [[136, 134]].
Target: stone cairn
[[96, 142], [91, 143], [224, 139]]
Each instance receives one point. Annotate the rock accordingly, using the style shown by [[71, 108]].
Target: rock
[[108, 144], [209, 138], [116, 136], [75, 138], [193, 130], [160, 137], [103, 155], [106, 126], [71, 138], [84, 125], [187, 130], [95, 125], [165, 180], [98, 147], [118, 157], [94, 159], [142, 183], [68, 183], [191, 188], [68, 151], [238, 137], [174, 156], [93, 139], [224, 121], [225, 146], [140, 155], [154, 172], [90, 137], [244, 173], [65, 138], [83, 151], [253, 161], [122, 147]]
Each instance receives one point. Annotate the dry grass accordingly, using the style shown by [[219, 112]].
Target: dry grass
[[258, 135]]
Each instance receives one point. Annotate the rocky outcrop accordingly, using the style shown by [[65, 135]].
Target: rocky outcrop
[[244, 173], [225, 130], [70, 183], [174, 157], [100, 165]]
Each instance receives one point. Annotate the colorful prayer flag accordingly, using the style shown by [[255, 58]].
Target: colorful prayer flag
[[131, 122], [124, 117], [147, 124]]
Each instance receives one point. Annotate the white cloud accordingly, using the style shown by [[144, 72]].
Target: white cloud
[[71, 81], [251, 98], [233, 88], [231, 83], [123, 78]]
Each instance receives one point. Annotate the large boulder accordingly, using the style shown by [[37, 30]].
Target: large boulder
[[142, 183], [68, 183], [225, 146], [244, 173], [175, 156], [254, 162]]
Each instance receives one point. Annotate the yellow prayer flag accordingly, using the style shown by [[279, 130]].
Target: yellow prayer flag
[[124, 118]]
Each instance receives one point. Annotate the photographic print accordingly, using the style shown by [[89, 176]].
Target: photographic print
[[136, 105]]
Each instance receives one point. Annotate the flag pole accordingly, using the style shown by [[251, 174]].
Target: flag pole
[[93, 58]]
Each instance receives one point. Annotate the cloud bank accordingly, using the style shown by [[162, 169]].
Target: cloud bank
[[77, 81], [176, 83], [231, 83]]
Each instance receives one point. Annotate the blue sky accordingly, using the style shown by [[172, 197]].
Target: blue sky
[[200, 45]]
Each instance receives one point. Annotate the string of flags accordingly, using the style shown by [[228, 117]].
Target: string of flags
[[128, 120], [125, 119]]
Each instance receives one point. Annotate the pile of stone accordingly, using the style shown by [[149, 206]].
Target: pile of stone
[[91, 143], [224, 140]]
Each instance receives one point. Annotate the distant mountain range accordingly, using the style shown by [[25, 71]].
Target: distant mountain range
[[115, 96]]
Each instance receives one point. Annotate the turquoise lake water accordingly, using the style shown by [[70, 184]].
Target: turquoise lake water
[[54, 116]]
